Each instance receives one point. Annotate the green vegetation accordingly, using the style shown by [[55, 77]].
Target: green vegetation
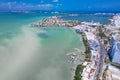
[[101, 33], [87, 56], [104, 74], [97, 77], [115, 64], [107, 60], [78, 72], [79, 68]]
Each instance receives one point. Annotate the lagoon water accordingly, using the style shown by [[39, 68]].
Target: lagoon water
[[28, 53]]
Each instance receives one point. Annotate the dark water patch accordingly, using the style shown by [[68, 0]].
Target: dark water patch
[[43, 35]]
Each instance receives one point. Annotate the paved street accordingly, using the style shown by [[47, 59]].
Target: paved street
[[103, 53]]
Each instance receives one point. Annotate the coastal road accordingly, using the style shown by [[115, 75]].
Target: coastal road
[[100, 65], [103, 54], [102, 58]]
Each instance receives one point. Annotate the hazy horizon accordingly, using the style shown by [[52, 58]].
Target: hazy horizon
[[60, 5]]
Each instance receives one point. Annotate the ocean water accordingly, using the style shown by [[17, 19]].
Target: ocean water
[[28, 53], [103, 19], [33, 53]]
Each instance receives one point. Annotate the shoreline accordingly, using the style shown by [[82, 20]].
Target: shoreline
[[95, 48], [55, 20]]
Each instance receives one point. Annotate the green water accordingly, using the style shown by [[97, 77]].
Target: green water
[[28, 53]]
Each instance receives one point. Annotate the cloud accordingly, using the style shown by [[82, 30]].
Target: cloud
[[55, 0], [24, 6], [44, 6]]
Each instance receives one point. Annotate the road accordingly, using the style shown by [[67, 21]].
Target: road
[[102, 58], [100, 65]]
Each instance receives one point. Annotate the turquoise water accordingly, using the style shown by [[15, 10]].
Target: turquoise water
[[28, 53], [11, 23], [103, 19]]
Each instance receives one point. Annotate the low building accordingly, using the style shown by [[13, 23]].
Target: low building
[[113, 73], [89, 71]]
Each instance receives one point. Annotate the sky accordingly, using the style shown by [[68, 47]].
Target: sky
[[60, 5]]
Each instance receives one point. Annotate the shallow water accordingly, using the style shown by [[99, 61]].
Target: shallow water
[[28, 53]]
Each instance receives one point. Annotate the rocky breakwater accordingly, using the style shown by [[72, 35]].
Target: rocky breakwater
[[54, 20]]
